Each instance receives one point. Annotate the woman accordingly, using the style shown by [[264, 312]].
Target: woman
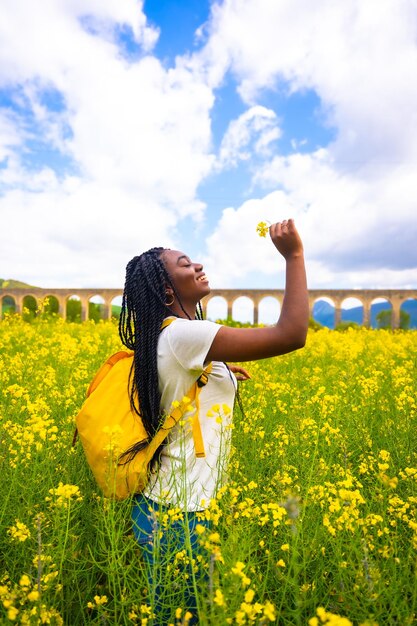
[[162, 283]]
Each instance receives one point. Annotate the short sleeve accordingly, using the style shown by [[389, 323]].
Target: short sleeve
[[190, 341]]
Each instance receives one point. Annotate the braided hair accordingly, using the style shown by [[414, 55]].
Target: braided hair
[[143, 310]]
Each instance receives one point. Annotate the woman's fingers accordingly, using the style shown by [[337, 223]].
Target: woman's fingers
[[285, 238], [239, 372]]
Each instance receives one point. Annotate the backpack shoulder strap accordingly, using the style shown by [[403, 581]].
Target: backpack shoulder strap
[[194, 396], [167, 321], [173, 418], [197, 436], [105, 369]]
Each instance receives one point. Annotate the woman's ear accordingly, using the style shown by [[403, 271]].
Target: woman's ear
[[170, 297]]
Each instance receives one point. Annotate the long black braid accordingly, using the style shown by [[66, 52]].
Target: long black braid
[[143, 310]]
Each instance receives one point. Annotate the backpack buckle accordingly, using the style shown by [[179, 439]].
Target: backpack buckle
[[202, 380]]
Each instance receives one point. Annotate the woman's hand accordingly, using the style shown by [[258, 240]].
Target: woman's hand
[[286, 239], [239, 372], [290, 332]]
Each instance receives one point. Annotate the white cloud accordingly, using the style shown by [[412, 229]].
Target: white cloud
[[48, 40], [349, 221], [360, 61], [77, 247], [249, 135], [134, 139], [10, 137], [358, 58], [134, 124], [353, 234], [236, 252], [235, 249], [354, 198]]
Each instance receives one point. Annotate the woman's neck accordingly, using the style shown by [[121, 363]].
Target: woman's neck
[[187, 312]]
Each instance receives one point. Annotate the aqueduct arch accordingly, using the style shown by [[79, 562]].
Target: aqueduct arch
[[396, 297]]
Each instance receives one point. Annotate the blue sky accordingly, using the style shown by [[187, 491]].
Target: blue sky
[[125, 125], [177, 23]]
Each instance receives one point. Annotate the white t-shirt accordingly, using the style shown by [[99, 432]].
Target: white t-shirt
[[182, 479]]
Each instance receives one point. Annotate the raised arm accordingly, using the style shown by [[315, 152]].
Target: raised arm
[[250, 344]]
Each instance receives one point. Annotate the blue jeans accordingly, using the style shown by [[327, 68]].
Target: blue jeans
[[172, 579]]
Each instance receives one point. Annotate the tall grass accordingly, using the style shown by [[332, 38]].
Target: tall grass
[[316, 525]]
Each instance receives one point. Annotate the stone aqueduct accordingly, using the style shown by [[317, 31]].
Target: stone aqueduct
[[395, 297]]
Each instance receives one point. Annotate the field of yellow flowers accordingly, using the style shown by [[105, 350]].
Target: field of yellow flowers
[[317, 524]]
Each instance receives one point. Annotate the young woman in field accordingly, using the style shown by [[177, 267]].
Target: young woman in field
[[161, 283]]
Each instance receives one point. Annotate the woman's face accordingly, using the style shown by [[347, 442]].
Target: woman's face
[[189, 279]]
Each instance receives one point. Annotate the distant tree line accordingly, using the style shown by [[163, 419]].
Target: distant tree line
[[50, 306], [383, 320]]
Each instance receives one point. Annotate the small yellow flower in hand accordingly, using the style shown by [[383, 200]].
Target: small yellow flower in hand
[[262, 229]]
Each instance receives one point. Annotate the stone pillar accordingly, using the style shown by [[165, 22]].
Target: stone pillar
[[65, 308], [366, 320], [19, 304], [337, 313], [396, 306], [107, 314], [229, 310], [62, 306], [84, 309], [256, 313]]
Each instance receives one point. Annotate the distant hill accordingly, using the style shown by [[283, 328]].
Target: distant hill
[[324, 313], [12, 284]]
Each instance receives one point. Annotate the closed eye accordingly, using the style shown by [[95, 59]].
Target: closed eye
[[184, 258]]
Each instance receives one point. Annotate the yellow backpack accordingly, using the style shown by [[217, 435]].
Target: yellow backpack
[[107, 427]]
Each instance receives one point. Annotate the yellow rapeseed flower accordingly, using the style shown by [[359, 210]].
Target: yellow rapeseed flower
[[249, 595], [262, 229], [269, 611], [63, 494], [24, 581], [331, 619], [19, 532], [33, 596], [219, 598], [12, 613]]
